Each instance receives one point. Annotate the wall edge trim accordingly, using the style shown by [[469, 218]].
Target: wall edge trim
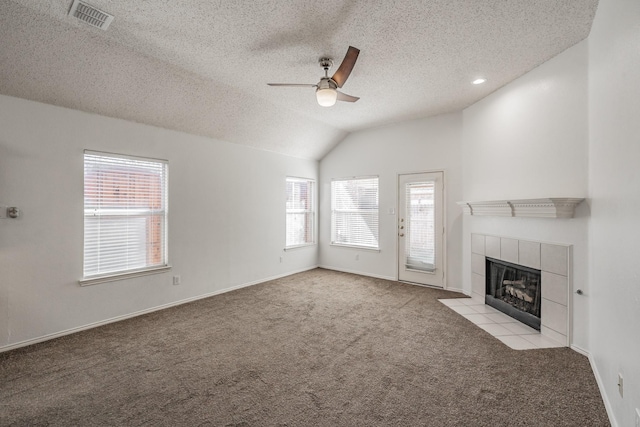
[[360, 273], [580, 350], [70, 331], [603, 394]]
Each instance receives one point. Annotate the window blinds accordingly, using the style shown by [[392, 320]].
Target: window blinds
[[420, 248], [354, 212], [125, 214], [300, 212]]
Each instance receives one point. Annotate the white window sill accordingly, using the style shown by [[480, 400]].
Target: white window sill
[[360, 248], [122, 276], [291, 248]]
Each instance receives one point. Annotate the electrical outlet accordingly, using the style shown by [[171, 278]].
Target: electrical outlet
[[637, 417], [620, 385], [176, 280]]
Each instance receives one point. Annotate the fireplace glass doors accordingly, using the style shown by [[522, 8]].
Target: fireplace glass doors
[[515, 290]]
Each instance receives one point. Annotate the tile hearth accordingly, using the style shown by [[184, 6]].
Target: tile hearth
[[511, 332]]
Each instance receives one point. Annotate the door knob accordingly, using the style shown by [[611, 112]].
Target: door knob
[[402, 227], [401, 234]]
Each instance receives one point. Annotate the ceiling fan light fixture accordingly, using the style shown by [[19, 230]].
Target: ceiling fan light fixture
[[327, 88], [326, 97]]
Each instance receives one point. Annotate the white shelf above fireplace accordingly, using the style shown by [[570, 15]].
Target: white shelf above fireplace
[[555, 207]]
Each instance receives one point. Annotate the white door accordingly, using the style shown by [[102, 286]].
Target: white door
[[421, 228]]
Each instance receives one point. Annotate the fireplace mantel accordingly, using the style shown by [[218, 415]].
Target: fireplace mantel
[[532, 208]]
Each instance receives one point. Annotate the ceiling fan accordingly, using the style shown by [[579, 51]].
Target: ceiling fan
[[327, 92]]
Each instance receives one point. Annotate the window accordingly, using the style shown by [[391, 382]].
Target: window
[[420, 243], [354, 212], [300, 212], [125, 214]]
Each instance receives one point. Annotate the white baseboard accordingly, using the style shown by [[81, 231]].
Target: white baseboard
[[458, 290], [603, 393], [580, 350], [360, 273], [48, 337], [268, 279], [145, 311], [394, 279]]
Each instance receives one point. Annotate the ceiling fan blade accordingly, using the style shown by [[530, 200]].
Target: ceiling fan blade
[[343, 71], [345, 97], [292, 84]]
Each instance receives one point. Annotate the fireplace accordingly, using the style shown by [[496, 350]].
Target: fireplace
[[515, 290], [552, 261]]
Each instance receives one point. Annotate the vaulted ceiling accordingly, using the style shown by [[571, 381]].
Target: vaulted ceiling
[[201, 66]]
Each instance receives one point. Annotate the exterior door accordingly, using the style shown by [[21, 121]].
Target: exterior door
[[421, 228]]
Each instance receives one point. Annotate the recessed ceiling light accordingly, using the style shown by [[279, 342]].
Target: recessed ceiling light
[[479, 81]]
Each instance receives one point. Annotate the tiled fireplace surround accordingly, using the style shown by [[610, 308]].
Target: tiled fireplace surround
[[553, 260]]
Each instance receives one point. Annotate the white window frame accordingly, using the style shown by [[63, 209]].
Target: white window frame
[[310, 214], [94, 275], [336, 212]]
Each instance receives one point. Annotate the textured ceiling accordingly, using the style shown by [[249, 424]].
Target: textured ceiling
[[201, 66]]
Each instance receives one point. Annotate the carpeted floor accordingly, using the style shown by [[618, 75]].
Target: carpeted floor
[[317, 348]]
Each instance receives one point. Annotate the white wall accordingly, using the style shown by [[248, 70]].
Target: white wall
[[614, 137], [413, 146], [569, 128], [226, 218], [529, 140]]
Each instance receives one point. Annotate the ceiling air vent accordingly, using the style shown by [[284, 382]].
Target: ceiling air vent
[[89, 14]]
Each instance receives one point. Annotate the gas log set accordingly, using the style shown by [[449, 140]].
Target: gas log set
[[514, 290]]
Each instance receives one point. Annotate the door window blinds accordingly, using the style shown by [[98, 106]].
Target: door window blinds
[[354, 212], [300, 212], [125, 214], [420, 246]]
